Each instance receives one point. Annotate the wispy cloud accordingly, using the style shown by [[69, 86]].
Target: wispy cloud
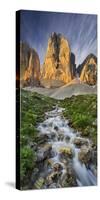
[[79, 29]]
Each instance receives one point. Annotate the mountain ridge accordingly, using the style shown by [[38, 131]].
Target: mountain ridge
[[59, 67]]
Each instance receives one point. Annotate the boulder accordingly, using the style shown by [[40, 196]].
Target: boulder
[[80, 141], [69, 180], [57, 167], [60, 136], [54, 185], [66, 152], [44, 152], [67, 138], [85, 155], [53, 177]]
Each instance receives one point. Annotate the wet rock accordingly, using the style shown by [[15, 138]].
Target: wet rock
[[53, 185], [53, 177], [85, 155], [66, 151], [44, 125], [57, 167], [44, 153], [52, 135], [67, 138], [50, 124], [53, 153], [60, 136], [56, 128], [34, 175], [33, 145], [50, 162], [64, 159], [39, 183], [68, 177], [41, 139], [80, 141]]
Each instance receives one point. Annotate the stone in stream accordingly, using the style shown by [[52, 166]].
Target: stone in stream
[[50, 162], [44, 125], [60, 136], [34, 175], [57, 167], [56, 128], [33, 145], [53, 177], [69, 179], [54, 185], [66, 151], [67, 138], [41, 139], [85, 155], [44, 153], [52, 135], [80, 141]]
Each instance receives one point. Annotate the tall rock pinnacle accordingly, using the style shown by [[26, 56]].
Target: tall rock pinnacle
[[57, 64]]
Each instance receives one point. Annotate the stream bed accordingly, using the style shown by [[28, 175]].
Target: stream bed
[[65, 158]]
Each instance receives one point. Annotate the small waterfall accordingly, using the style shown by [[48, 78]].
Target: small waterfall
[[85, 176], [61, 135]]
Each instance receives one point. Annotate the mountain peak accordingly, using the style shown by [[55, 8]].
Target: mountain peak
[[57, 64]]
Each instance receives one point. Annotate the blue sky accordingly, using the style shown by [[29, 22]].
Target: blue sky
[[79, 29]]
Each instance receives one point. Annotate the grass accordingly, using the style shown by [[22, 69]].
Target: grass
[[82, 113], [80, 110], [33, 108]]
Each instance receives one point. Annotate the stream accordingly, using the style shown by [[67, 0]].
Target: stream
[[66, 158]]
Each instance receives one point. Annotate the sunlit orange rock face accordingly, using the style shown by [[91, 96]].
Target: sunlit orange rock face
[[57, 68], [29, 65], [88, 72]]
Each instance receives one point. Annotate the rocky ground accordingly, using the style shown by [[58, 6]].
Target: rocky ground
[[58, 141], [65, 91]]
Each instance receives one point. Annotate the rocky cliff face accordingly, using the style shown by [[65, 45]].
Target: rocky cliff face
[[57, 68], [88, 70], [29, 65]]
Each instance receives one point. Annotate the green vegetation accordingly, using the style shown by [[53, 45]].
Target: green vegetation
[[82, 113], [80, 110], [33, 108]]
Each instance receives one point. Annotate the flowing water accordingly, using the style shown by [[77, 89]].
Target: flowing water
[[63, 159]]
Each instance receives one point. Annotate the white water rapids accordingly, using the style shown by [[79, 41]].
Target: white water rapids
[[62, 136]]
